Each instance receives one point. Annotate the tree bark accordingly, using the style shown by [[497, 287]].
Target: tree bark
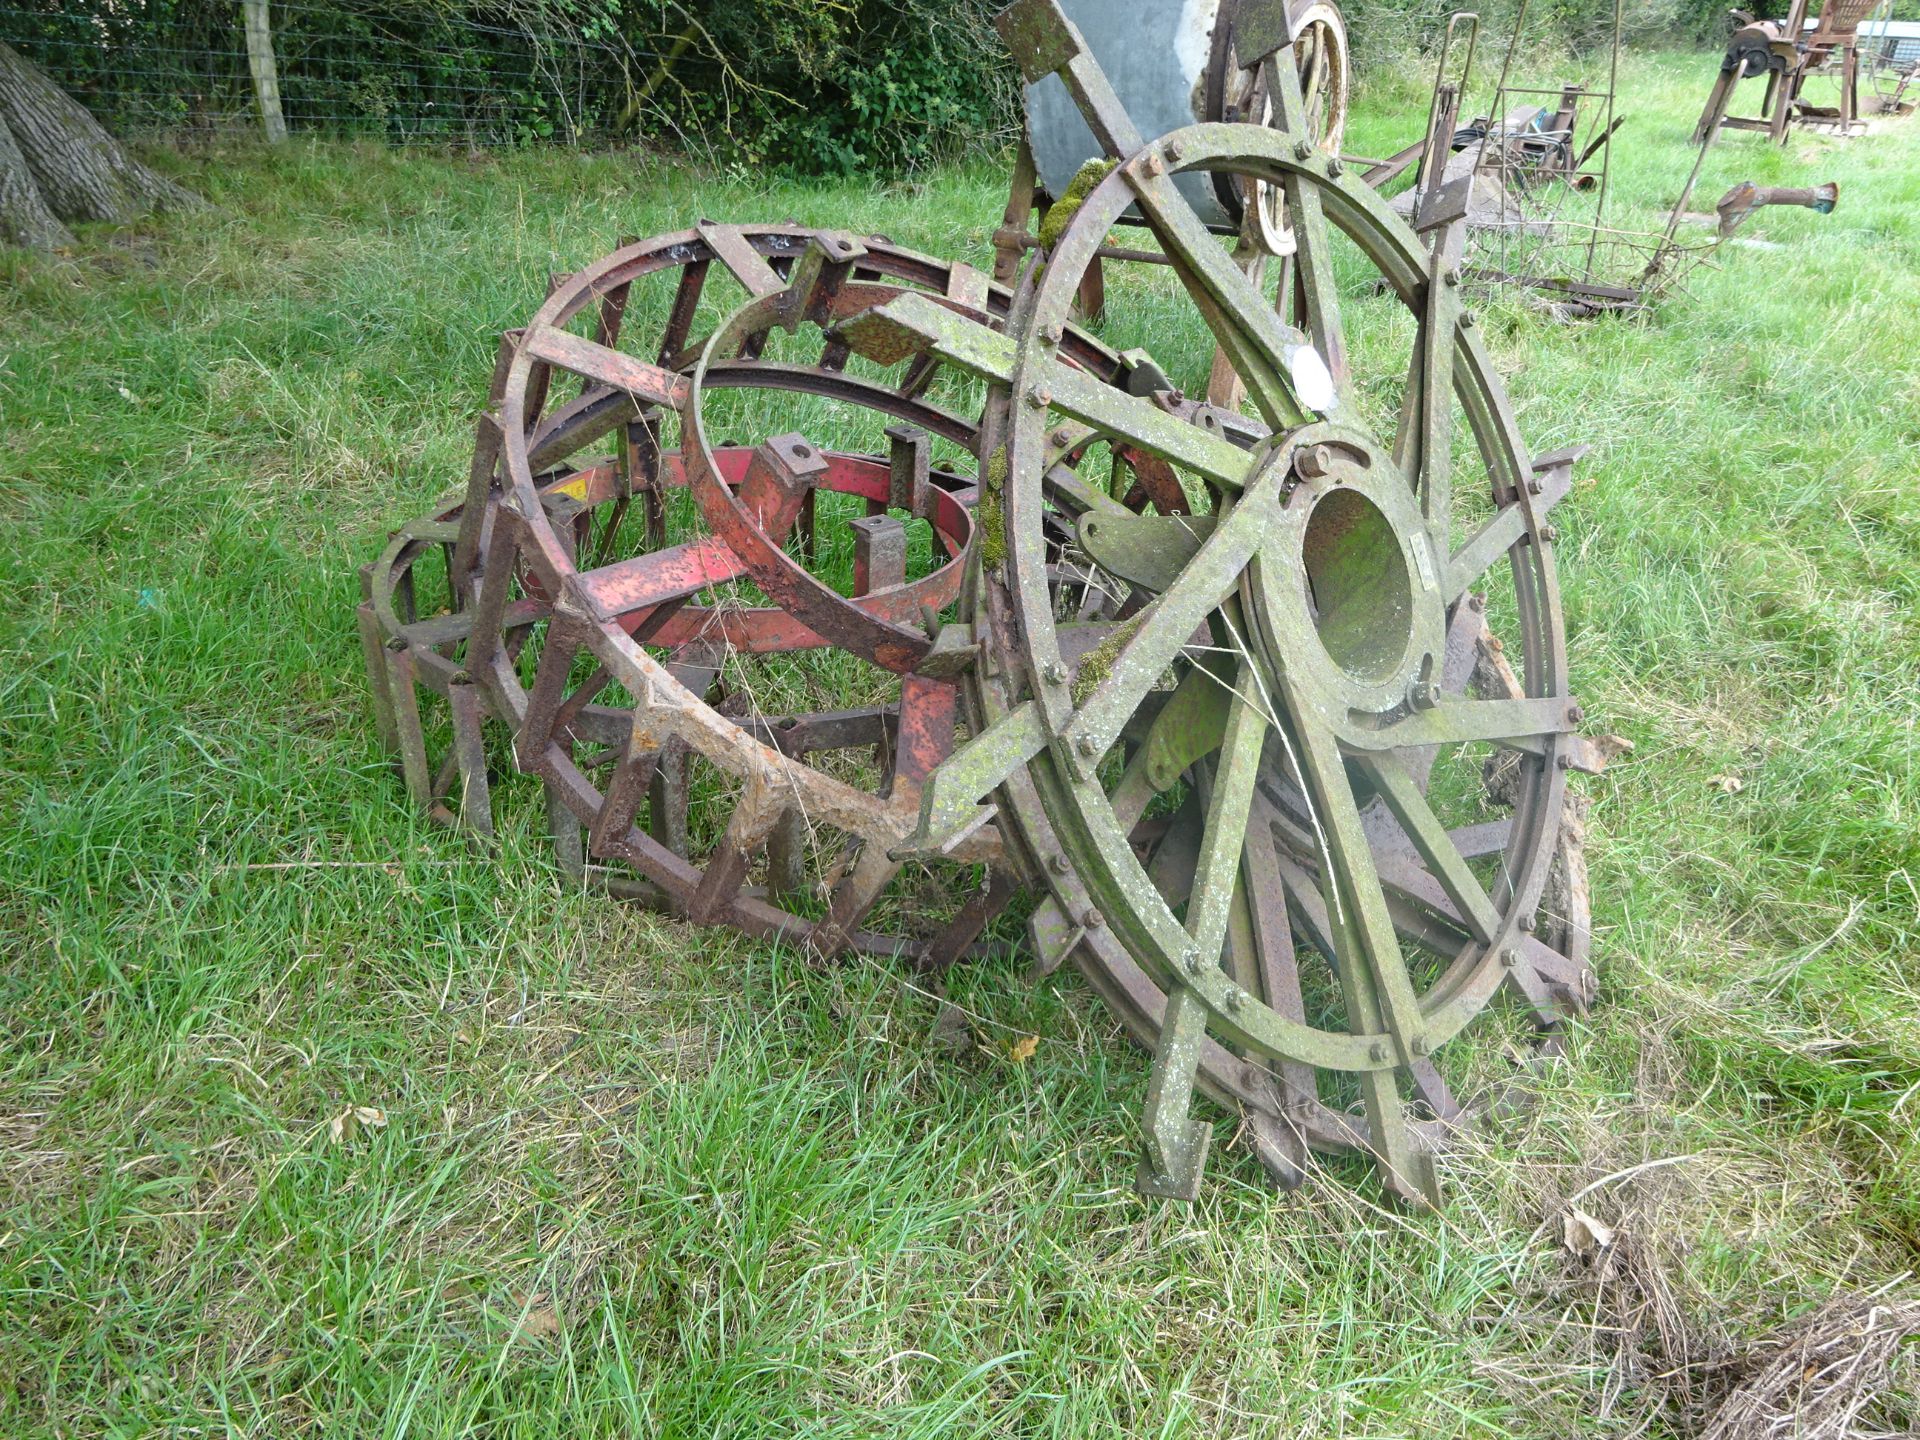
[[57, 155], [24, 216]]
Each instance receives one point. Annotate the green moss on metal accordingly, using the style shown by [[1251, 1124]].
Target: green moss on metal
[[989, 518], [1098, 663], [1060, 214]]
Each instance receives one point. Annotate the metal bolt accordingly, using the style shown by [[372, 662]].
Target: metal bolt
[[1334, 166], [1094, 920], [1419, 1046], [1563, 762], [1039, 397], [1059, 864], [1510, 959], [1534, 486], [397, 644], [1467, 322], [1377, 1051], [1452, 277], [1056, 673], [1423, 695], [1303, 149], [1149, 164], [1476, 602], [460, 677], [1313, 461], [1550, 533], [1172, 147], [1086, 746], [1051, 334], [1575, 714], [1190, 960], [1177, 397], [1235, 998], [1527, 923], [1061, 437]]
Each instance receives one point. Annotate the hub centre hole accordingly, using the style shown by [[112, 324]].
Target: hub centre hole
[[1358, 588]]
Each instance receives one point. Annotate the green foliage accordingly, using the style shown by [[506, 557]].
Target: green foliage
[[839, 89]]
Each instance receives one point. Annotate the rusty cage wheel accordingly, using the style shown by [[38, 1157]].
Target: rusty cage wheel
[[613, 611]]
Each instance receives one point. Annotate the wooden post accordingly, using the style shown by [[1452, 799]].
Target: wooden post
[[266, 76]]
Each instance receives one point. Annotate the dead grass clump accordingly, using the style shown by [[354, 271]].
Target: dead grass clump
[[1825, 1376]]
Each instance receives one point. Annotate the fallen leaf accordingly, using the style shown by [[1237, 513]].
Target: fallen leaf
[[1584, 1235], [341, 1127], [1021, 1050], [1731, 784]]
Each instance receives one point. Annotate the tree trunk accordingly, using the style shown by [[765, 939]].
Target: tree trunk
[[57, 164]]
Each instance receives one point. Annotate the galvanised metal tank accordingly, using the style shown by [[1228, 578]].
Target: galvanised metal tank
[[1172, 64]]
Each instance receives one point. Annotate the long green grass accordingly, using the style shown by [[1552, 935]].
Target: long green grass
[[637, 1179]]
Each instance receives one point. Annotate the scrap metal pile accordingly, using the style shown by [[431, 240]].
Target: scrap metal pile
[[837, 594]]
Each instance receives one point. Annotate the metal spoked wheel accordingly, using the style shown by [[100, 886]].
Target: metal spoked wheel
[[1263, 775]]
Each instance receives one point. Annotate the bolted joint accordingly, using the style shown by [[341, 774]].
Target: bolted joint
[[1452, 276], [1377, 1052], [1059, 864], [1423, 695], [1086, 747], [1335, 165], [1312, 461], [1056, 673], [1190, 960], [1419, 1045], [1303, 149], [1039, 397]]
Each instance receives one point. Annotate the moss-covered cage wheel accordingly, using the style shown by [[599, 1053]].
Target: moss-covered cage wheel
[[1250, 772], [720, 658]]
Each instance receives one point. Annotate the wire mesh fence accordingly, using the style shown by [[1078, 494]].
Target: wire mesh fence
[[397, 74]]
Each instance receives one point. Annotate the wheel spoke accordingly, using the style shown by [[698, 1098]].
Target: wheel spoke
[[1218, 873], [1509, 524], [1285, 375], [1166, 627], [1313, 261], [1436, 847], [1517, 724], [915, 322], [647, 383]]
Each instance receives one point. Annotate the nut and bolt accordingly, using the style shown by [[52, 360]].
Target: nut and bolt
[[1059, 864], [1093, 920], [1052, 334], [1149, 164], [1510, 959], [1086, 746], [1423, 695], [1056, 673], [1528, 923], [1550, 533], [1313, 461], [1061, 437], [1303, 149], [1172, 148], [1190, 960], [1039, 397], [1467, 322], [1377, 1052], [1575, 714], [1452, 276], [1419, 1046], [1335, 166]]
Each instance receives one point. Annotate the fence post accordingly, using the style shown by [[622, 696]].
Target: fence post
[[266, 76]]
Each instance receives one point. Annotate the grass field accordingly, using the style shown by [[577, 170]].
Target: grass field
[[637, 1179]]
